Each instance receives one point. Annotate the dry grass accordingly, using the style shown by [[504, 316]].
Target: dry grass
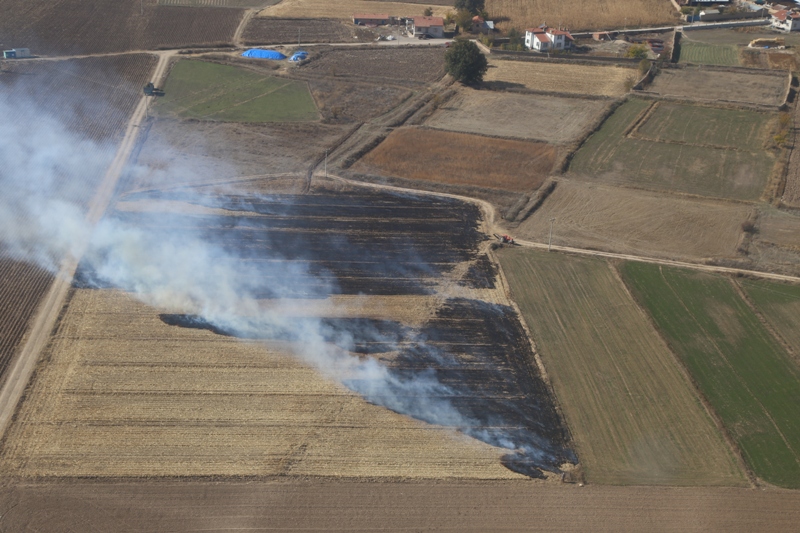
[[713, 85], [581, 14], [461, 159], [635, 221], [120, 393], [634, 415], [344, 9], [541, 118], [562, 78]]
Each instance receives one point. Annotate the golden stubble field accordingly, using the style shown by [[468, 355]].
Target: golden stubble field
[[581, 15], [120, 393], [344, 9], [634, 414], [624, 220], [560, 77]]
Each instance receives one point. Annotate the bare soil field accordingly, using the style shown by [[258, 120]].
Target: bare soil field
[[540, 118], [579, 15], [633, 221], [268, 30], [129, 390], [559, 78], [414, 64], [705, 84], [314, 505], [779, 227], [460, 159], [218, 3], [344, 9], [635, 416], [67, 27], [342, 102], [226, 151]]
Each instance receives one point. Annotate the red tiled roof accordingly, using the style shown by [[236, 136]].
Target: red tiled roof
[[780, 15], [427, 22], [562, 32], [542, 36], [477, 18]]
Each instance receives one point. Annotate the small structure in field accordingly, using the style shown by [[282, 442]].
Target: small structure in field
[[371, 19], [785, 20], [482, 26], [422, 26], [17, 53], [545, 39]]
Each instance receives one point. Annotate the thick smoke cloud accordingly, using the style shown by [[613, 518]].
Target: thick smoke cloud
[[43, 220]]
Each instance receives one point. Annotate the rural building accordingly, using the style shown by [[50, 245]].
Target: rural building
[[482, 26], [431, 26], [785, 20], [371, 19], [16, 53], [545, 39]]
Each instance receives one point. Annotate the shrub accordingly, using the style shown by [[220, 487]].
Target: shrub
[[465, 62], [638, 51], [428, 11]]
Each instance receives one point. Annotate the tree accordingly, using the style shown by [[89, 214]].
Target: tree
[[465, 62], [464, 20], [473, 6], [637, 51], [428, 11]]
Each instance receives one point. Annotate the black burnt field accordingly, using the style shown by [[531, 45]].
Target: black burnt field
[[473, 357]]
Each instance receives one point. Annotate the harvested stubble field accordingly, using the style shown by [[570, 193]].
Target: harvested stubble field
[[779, 227], [268, 30], [126, 391], [77, 27], [579, 15], [220, 151], [711, 85], [414, 64], [210, 91], [589, 215], [344, 9], [460, 159], [341, 102], [218, 3], [559, 78], [741, 369], [540, 118], [634, 415], [708, 54], [615, 155]]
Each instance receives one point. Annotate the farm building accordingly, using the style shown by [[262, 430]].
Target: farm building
[[482, 26], [430, 26], [785, 20], [16, 53], [371, 19], [545, 39]]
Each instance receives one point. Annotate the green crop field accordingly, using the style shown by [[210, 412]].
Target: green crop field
[[634, 416], [727, 128], [208, 91], [708, 54], [742, 370], [612, 156], [780, 305]]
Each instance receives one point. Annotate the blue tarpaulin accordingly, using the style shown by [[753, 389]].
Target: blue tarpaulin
[[263, 54], [299, 56]]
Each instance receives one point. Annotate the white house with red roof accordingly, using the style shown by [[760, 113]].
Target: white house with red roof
[[545, 39], [786, 20], [430, 26]]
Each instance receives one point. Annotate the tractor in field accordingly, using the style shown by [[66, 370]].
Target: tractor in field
[[151, 90], [506, 239]]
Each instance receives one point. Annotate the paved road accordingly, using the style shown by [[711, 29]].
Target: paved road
[[23, 366]]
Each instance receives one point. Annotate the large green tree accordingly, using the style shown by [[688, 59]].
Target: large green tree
[[465, 62], [473, 6]]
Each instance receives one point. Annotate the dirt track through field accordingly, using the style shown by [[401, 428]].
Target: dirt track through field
[[21, 369]]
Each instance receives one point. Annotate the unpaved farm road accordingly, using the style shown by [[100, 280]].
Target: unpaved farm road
[[326, 505], [22, 367]]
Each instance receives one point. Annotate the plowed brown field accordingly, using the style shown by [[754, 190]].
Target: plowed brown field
[[461, 159], [344, 9]]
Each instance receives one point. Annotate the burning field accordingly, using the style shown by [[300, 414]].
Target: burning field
[[346, 332]]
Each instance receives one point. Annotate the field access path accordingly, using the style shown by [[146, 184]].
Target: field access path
[[21, 369]]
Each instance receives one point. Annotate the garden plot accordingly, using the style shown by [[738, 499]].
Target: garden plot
[[541, 118]]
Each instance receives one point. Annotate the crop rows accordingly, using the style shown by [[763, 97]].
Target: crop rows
[[708, 54]]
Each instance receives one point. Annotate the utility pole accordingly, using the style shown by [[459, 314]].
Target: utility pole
[[298, 37], [550, 241], [326, 163]]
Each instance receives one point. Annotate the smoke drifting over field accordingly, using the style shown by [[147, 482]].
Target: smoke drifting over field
[[190, 266]]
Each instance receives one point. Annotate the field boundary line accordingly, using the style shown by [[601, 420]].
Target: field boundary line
[[24, 364]]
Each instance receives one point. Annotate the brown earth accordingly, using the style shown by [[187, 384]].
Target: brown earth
[[268, 30], [344, 9], [315, 505], [707, 84], [67, 27], [411, 64], [633, 221], [578, 15], [541, 118], [461, 159], [791, 193], [559, 78], [341, 102]]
